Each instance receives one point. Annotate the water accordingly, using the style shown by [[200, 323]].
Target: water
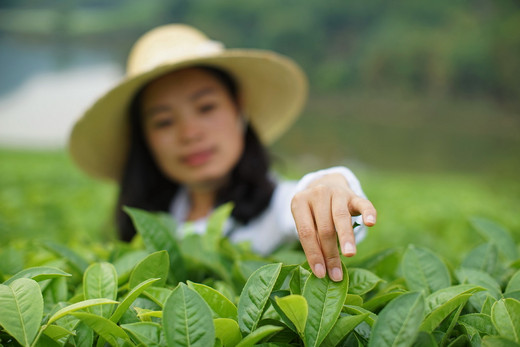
[[44, 88]]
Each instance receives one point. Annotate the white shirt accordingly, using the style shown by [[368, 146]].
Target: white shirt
[[275, 226]]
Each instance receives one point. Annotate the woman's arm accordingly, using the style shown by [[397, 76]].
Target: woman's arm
[[322, 210]]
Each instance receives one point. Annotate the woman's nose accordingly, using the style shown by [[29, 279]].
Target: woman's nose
[[190, 130]]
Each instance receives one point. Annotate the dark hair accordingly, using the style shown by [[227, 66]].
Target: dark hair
[[144, 186]]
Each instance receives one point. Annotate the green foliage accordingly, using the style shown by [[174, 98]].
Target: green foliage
[[157, 232], [398, 323], [100, 281], [325, 299], [188, 319], [278, 304], [22, 309], [255, 296], [423, 270]]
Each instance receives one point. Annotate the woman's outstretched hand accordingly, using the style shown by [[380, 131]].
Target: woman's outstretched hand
[[322, 213]]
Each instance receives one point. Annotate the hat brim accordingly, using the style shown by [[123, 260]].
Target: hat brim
[[273, 90]]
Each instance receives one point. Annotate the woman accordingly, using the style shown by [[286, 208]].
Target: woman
[[185, 132]]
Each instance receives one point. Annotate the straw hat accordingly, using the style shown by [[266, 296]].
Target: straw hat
[[273, 90]]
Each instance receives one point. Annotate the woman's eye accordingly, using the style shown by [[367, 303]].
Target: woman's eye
[[162, 123], [207, 108]]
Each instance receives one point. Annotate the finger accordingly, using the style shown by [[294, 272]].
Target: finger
[[364, 207], [321, 208], [305, 226], [343, 224]]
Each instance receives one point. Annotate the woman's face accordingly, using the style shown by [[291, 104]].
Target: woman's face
[[192, 127]]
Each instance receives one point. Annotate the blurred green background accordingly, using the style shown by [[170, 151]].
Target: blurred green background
[[420, 98]]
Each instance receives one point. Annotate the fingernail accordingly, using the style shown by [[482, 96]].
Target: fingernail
[[349, 249], [319, 270], [371, 219], [336, 274]]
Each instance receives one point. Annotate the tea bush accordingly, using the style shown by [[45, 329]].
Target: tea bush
[[205, 291]]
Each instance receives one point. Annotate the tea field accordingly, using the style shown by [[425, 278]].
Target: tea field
[[43, 196], [441, 268]]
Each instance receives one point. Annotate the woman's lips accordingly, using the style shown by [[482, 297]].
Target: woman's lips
[[198, 158]]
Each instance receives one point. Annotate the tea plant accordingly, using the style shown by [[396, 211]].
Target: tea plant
[[204, 291]]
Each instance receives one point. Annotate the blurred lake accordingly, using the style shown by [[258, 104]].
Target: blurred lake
[[44, 89]]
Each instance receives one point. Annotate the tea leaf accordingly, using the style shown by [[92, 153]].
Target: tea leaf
[[155, 265], [361, 281], [222, 307], [442, 296], [130, 298], [505, 315], [356, 310], [39, 273], [424, 339], [275, 313], [461, 340], [340, 330], [84, 335], [56, 332], [479, 278], [296, 310], [398, 323], [441, 303], [255, 295], [298, 279], [215, 226], [79, 306], [488, 305], [157, 231], [325, 299], [74, 259], [514, 283], [55, 292], [228, 331], [496, 341], [67, 322], [512, 295], [435, 317], [100, 281], [226, 290], [482, 279], [380, 300], [354, 300], [197, 257], [46, 341], [105, 328], [283, 276], [479, 321], [247, 267], [496, 234], [142, 313], [423, 270], [472, 333], [158, 295], [257, 335], [126, 263], [383, 263], [147, 333], [483, 258], [187, 319], [453, 321], [21, 306]]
